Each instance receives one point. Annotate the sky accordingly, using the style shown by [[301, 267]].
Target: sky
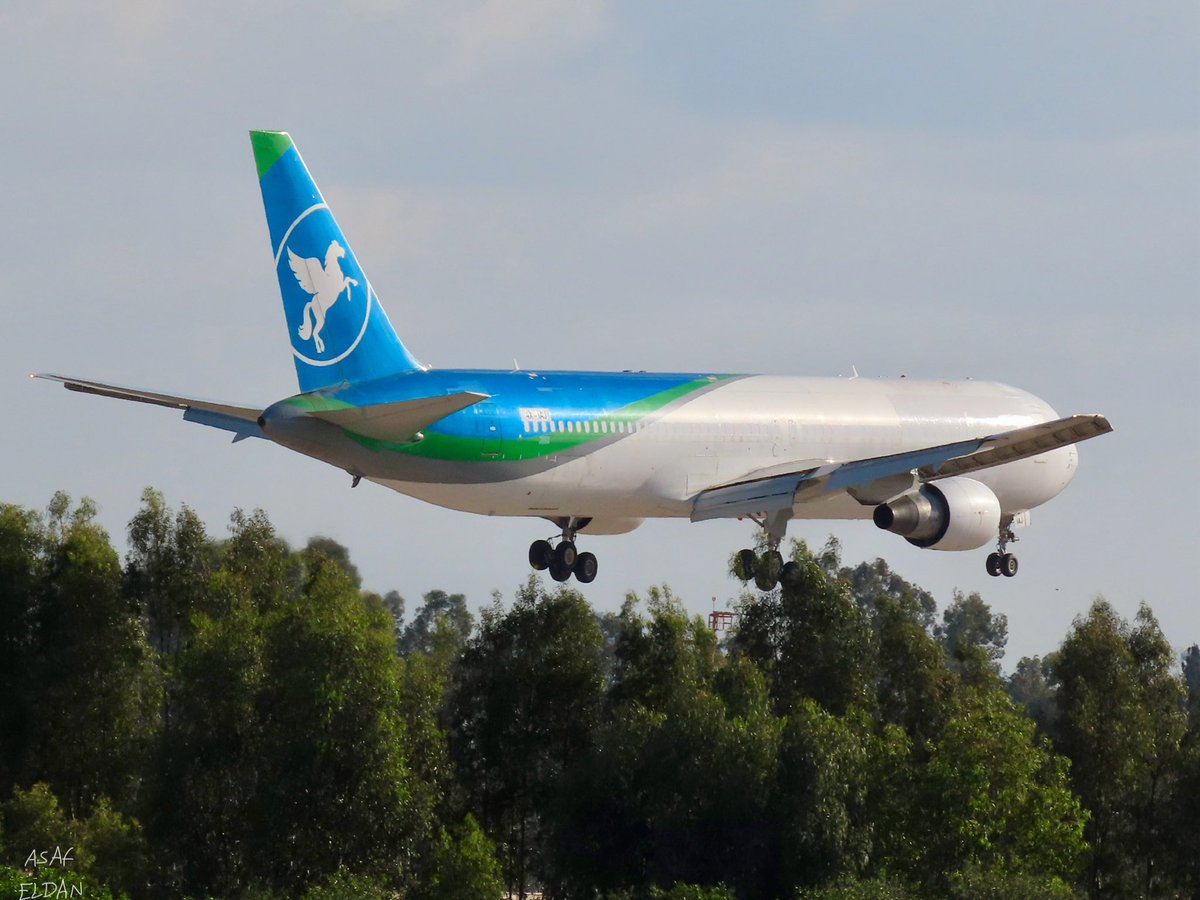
[[1002, 191]]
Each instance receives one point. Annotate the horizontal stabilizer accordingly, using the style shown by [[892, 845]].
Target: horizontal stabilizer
[[397, 421], [874, 480], [241, 420]]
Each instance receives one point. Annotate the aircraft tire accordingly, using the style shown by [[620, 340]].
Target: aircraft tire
[[540, 554], [765, 581], [1008, 565], [558, 571], [585, 568], [565, 554], [993, 564], [747, 562]]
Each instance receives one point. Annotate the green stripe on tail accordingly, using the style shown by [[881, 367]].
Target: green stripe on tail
[[268, 147]]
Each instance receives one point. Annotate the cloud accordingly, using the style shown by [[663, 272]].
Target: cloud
[[116, 38], [507, 31]]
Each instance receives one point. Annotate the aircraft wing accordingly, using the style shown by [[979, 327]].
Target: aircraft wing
[[872, 481], [241, 420], [399, 420]]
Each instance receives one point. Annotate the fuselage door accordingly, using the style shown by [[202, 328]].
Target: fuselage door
[[487, 428]]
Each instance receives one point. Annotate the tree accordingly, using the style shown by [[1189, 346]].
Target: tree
[[675, 788], [106, 850], [93, 681], [914, 684], [22, 557], [167, 570], [817, 818], [1121, 723], [464, 866], [973, 636], [993, 796], [524, 704], [810, 638], [1030, 686], [289, 760], [871, 582], [335, 553], [436, 605]]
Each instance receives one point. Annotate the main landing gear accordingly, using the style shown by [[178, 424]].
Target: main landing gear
[[1001, 562], [768, 569], [564, 560]]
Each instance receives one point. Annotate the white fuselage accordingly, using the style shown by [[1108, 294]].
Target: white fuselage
[[753, 424]]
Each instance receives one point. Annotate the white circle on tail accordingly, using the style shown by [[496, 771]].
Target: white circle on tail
[[318, 286]]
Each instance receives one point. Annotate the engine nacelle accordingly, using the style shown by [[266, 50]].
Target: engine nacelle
[[951, 514]]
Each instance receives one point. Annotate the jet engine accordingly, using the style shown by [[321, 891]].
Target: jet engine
[[950, 514]]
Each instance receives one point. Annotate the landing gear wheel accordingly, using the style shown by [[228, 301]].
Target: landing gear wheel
[[790, 573], [558, 571], [993, 564], [1008, 565], [770, 565], [565, 555], [745, 564], [585, 568], [540, 555]]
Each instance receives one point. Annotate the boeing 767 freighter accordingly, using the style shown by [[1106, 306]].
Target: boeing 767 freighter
[[948, 465]]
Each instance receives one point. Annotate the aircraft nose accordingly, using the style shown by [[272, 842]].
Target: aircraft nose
[[1072, 463]]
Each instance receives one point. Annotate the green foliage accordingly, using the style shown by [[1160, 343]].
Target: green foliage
[[464, 865], [693, 892], [973, 636], [1121, 722], [1029, 685], [443, 619], [977, 883], [105, 851], [872, 582], [22, 558], [282, 732], [332, 551], [817, 817], [880, 888], [914, 685], [811, 638], [676, 786], [83, 680], [993, 796], [35, 819], [346, 885], [525, 703], [48, 882], [113, 850], [288, 761]]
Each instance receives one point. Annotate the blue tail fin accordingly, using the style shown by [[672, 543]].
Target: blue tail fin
[[339, 331]]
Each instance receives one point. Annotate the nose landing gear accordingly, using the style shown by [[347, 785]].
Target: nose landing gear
[[564, 560], [1001, 562]]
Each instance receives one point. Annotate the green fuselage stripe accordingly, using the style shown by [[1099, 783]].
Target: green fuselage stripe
[[460, 448]]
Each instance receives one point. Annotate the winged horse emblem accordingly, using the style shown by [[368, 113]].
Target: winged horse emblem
[[326, 283]]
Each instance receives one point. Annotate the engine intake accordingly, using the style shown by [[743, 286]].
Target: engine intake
[[951, 514]]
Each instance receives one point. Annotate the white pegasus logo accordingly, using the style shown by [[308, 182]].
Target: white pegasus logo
[[325, 283]]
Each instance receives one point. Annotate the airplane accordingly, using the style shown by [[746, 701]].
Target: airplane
[[947, 465]]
